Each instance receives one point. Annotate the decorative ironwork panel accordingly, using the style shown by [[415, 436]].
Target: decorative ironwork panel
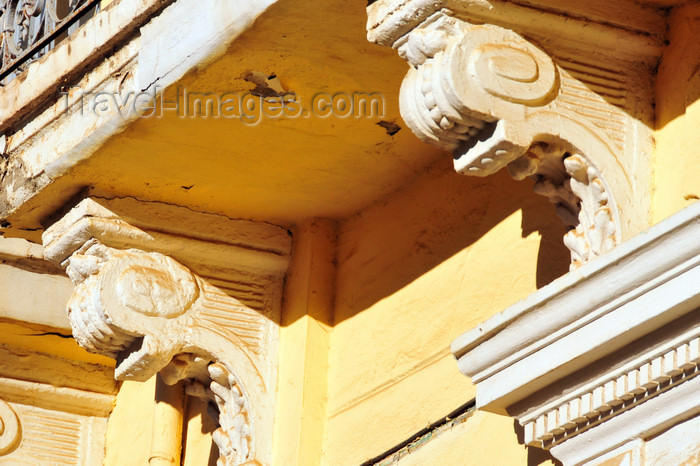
[[30, 28]]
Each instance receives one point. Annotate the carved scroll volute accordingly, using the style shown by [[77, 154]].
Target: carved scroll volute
[[149, 312], [491, 97], [10, 429], [122, 297], [466, 81]]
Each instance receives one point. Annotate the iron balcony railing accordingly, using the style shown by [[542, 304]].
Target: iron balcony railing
[[30, 28]]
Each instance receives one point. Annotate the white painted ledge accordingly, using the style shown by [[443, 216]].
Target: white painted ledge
[[31, 289], [603, 343]]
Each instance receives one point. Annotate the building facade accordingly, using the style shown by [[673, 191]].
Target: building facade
[[298, 233]]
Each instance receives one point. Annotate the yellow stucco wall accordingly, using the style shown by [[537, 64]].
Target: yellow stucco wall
[[131, 424], [484, 439], [414, 272], [677, 151]]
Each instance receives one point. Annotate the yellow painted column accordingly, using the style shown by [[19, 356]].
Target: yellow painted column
[[166, 439], [304, 344], [130, 426]]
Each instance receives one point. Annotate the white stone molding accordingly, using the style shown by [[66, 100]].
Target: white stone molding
[[658, 415], [35, 433], [496, 99], [52, 410], [153, 314], [83, 401], [623, 28], [621, 390], [23, 270], [606, 354]]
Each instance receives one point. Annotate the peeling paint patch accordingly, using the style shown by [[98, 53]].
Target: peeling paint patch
[[390, 127], [265, 85]]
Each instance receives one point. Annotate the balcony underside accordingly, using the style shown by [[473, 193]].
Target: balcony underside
[[280, 169]]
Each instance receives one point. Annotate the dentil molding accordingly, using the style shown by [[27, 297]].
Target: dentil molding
[[606, 354], [561, 116], [191, 296]]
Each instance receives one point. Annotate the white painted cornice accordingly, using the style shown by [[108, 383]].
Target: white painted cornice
[[581, 362], [206, 243]]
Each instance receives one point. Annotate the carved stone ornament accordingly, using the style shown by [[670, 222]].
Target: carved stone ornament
[[144, 309], [153, 314], [607, 354], [10, 429], [495, 99]]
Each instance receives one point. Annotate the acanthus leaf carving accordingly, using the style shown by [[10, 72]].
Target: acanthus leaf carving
[[492, 98], [578, 191], [154, 315], [214, 383]]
